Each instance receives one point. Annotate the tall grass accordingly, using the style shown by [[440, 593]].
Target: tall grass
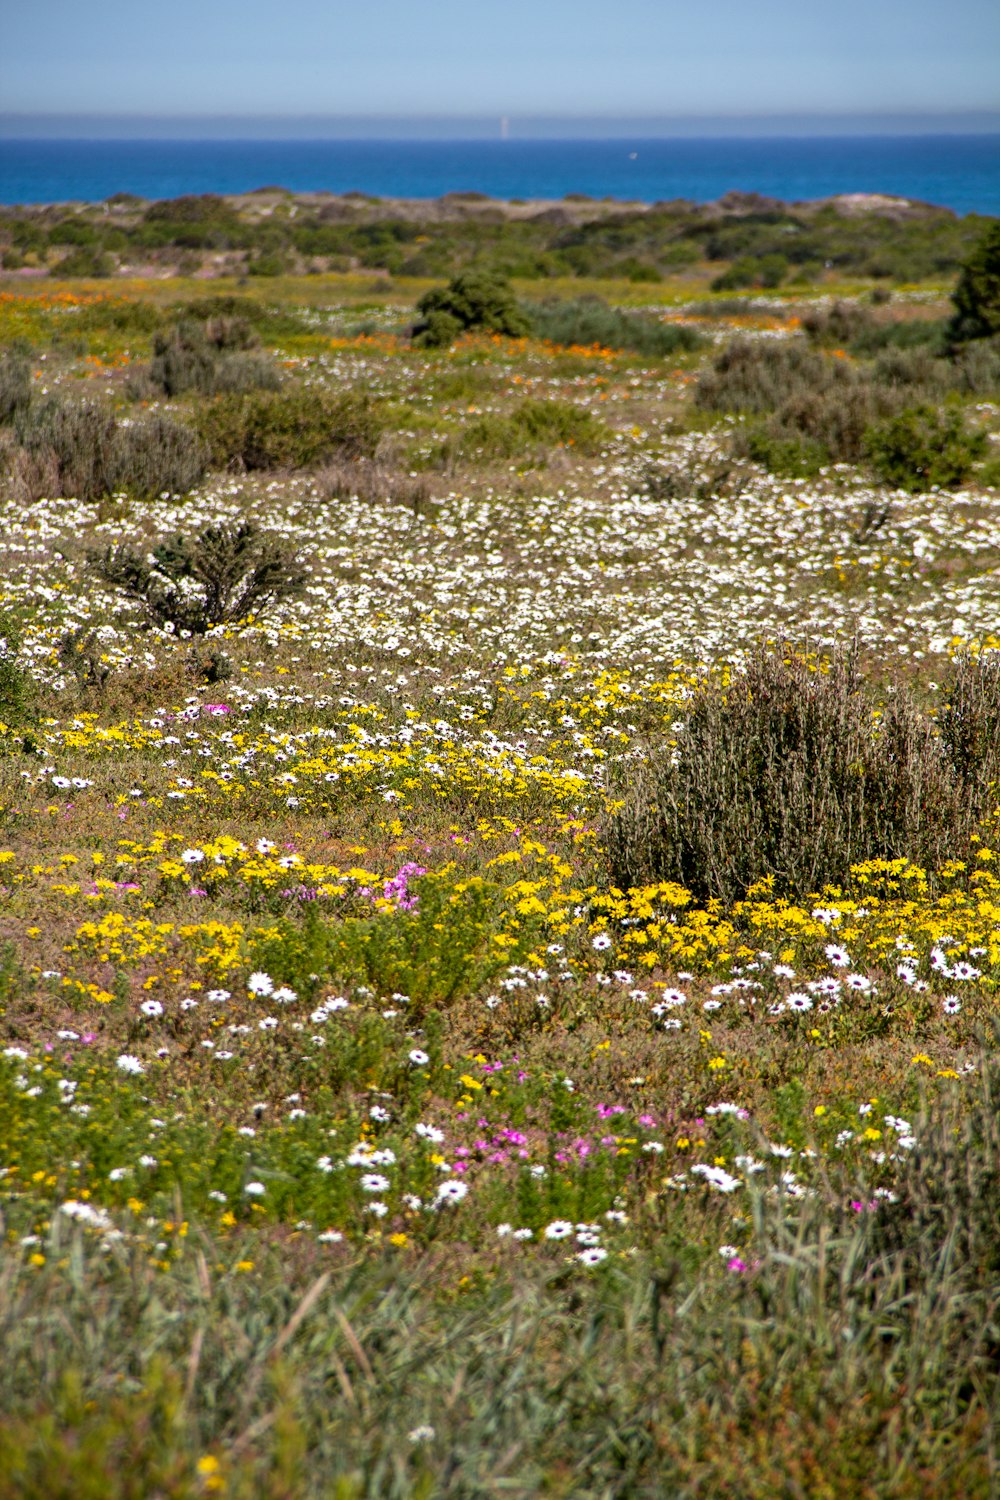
[[854, 1352]]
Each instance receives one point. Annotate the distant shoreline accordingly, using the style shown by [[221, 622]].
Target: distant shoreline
[[958, 172]]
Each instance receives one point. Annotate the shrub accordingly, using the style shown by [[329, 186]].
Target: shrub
[[589, 320], [155, 456], [85, 262], [788, 772], [74, 441], [835, 419], [946, 1204], [477, 298], [977, 367], [15, 384], [915, 368], [288, 429], [977, 295], [791, 455], [79, 449], [211, 357], [922, 448], [530, 428], [221, 575], [757, 377], [837, 326]]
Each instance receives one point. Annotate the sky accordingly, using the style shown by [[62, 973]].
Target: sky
[[528, 60]]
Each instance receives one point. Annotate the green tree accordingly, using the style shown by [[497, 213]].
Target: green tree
[[477, 298], [977, 295]]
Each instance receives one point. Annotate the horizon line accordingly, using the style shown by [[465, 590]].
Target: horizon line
[[42, 125]]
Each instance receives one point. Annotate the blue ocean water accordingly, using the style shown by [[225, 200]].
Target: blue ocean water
[[958, 172]]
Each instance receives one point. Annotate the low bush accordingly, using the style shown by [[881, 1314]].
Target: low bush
[[72, 442], [790, 455], [531, 428], [795, 773], [156, 456], [922, 448], [221, 575], [474, 299], [78, 449], [760, 377], [970, 722], [216, 356], [293, 429], [589, 320], [748, 271]]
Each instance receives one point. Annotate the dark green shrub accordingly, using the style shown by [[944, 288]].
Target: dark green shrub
[[15, 384], [85, 262], [795, 457], [922, 448], [288, 429], [474, 299], [221, 575], [271, 263], [787, 772], [439, 329], [589, 320], [156, 456], [764, 271], [977, 295]]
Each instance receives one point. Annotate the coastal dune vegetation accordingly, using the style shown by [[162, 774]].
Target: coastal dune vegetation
[[499, 792]]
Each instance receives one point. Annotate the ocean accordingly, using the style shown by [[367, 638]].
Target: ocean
[[958, 172]]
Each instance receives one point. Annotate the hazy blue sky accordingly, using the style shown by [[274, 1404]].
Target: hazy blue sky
[[480, 57]]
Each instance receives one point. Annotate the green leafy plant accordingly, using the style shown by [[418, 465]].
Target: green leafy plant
[[530, 429], [477, 298], [923, 448], [289, 429]]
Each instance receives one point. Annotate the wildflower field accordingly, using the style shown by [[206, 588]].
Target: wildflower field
[[468, 1026]]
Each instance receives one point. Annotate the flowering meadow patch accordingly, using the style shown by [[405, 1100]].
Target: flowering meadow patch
[[340, 1083]]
